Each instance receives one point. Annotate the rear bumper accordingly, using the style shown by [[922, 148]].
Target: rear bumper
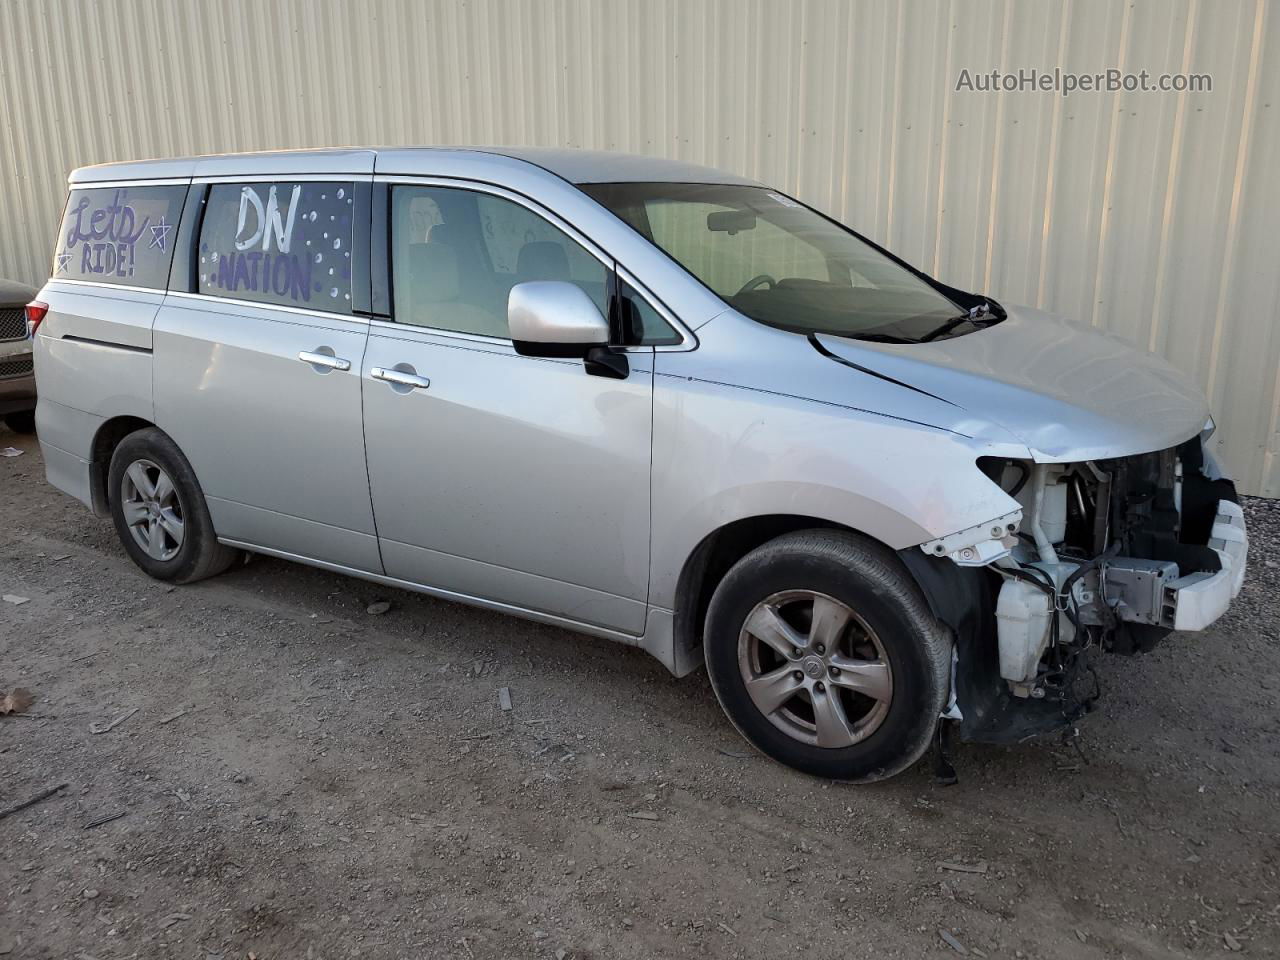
[[66, 440], [68, 473], [1199, 599]]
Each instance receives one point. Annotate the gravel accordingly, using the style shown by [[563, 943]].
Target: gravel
[[302, 779]]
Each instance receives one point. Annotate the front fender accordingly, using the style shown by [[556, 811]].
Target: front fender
[[723, 453]]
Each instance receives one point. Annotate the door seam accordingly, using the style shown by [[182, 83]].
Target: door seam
[[364, 450]]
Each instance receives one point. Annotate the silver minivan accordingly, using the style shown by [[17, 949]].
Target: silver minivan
[[643, 400]]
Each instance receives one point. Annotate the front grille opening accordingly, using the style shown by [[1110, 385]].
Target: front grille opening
[[13, 323], [17, 367]]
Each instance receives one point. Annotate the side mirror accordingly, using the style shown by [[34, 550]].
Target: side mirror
[[554, 318]]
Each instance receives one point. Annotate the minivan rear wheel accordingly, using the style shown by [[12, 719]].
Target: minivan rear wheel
[[825, 656], [159, 510]]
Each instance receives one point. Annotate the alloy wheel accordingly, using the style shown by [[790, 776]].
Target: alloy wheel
[[152, 511], [815, 668]]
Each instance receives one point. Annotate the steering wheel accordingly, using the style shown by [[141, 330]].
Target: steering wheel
[[755, 282]]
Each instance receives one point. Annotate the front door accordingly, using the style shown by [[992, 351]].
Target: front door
[[257, 372], [516, 480]]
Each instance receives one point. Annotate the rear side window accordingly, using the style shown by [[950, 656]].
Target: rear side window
[[121, 235], [283, 243]]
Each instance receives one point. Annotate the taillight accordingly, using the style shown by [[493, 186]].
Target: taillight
[[35, 313]]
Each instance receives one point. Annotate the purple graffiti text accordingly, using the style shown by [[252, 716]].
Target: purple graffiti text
[[115, 222], [284, 274], [107, 258]]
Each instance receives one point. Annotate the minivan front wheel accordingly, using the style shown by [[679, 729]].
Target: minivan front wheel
[[159, 510], [825, 656]]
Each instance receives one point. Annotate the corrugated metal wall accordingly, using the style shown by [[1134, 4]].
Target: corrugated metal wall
[[1150, 214]]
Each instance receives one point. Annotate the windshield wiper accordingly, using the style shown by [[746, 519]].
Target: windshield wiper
[[877, 337], [976, 313]]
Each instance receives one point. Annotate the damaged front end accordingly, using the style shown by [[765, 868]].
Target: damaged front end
[[1107, 555]]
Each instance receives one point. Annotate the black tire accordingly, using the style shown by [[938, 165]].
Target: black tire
[[199, 555], [869, 580], [24, 421]]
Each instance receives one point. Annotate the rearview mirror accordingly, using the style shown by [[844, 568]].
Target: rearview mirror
[[554, 318], [731, 221]]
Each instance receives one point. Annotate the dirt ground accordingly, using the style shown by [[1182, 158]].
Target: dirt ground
[[297, 777]]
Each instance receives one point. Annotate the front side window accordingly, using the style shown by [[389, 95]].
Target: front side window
[[778, 262], [120, 235], [456, 254], [281, 243]]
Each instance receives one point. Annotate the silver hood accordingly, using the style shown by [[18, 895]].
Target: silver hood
[[1066, 391], [14, 294]]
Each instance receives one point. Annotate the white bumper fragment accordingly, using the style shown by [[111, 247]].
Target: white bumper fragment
[[1199, 599]]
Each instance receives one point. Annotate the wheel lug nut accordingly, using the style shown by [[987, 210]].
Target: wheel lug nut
[[819, 686], [795, 651], [820, 648], [835, 671], [798, 675]]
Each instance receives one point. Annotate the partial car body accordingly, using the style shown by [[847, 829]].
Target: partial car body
[[648, 401], [1128, 527], [17, 369]]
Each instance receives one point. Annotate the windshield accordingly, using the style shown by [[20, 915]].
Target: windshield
[[781, 263]]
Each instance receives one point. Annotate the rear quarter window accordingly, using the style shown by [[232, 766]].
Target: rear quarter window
[[281, 243], [121, 235]]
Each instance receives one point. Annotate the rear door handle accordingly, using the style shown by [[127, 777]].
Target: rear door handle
[[399, 377], [324, 360]]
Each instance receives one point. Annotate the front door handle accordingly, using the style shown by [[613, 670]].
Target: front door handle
[[326, 360], [399, 377]]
